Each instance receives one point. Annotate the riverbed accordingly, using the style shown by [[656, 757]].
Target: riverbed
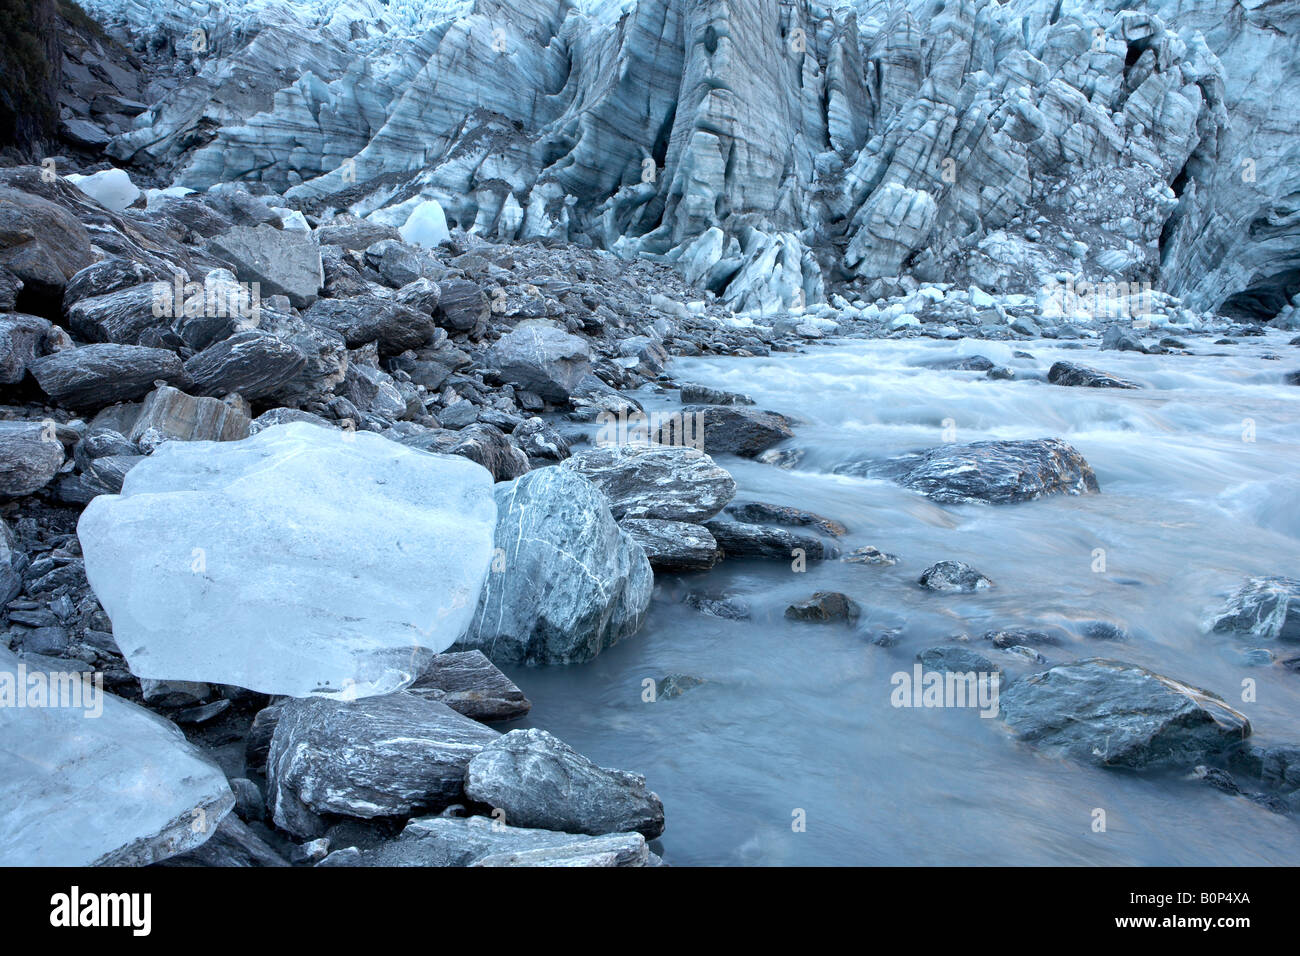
[[792, 752]]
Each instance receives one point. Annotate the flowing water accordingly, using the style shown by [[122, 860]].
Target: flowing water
[[1199, 488]]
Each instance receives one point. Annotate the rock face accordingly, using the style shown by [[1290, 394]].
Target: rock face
[[480, 841], [542, 783], [566, 582], [542, 358], [672, 483], [98, 781], [995, 472], [215, 565], [282, 261], [1266, 608], [1120, 715], [1067, 373], [380, 757]]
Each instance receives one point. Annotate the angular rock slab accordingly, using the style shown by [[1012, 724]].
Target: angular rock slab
[[123, 788], [300, 561], [1115, 714], [380, 757], [674, 545], [568, 582], [992, 472], [472, 685], [541, 782], [671, 482], [30, 456], [1069, 373], [481, 841]]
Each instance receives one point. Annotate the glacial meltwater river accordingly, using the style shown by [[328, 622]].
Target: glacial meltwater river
[[797, 716]]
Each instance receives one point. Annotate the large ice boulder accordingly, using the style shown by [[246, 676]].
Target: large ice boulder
[[426, 225], [301, 561], [111, 188], [89, 779]]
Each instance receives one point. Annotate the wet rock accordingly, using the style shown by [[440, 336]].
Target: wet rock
[[1103, 631], [385, 756], [542, 783], [729, 609], [168, 414], [1122, 340], [1115, 714], [993, 472], [541, 358], [567, 581], [671, 686], [1068, 373], [736, 430], [870, 555], [953, 576], [1266, 608], [470, 684], [30, 456], [539, 441], [668, 482], [368, 318], [283, 261], [757, 512], [703, 395], [958, 660], [1010, 637], [738, 539], [97, 375], [254, 364], [825, 607], [481, 841], [673, 545]]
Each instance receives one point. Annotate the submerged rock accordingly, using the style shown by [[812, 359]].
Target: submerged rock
[[385, 756], [759, 512], [567, 582], [824, 607], [870, 554], [278, 563], [540, 782], [993, 472], [1068, 373], [1120, 715], [1266, 608], [117, 787]]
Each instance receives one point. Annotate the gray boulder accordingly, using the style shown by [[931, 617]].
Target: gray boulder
[[1265, 608], [1115, 714], [282, 261], [30, 456], [994, 472], [103, 374], [255, 364], [567, 583], [673, 545], [472, 685], [540, 782], [385, 756], [481, 841], [737, 430], [22, 339], [670, 482], [368, 318], [461, 307], [541, 358], [953, 576]]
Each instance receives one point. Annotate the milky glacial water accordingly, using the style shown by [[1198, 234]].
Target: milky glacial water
[[797, 717]]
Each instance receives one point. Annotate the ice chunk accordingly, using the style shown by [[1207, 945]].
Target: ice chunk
[[426, 225], [87, 778], [303, 560], [111, 188]]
